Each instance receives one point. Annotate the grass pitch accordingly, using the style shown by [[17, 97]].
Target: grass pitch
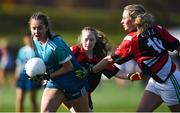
[[108, 97]]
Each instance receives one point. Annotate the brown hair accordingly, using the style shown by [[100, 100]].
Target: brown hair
[[101, 47], [44, 18]]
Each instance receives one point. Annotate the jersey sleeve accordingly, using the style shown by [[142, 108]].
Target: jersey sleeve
[[74, 49], [110, 71], [124, 51], [171, 43], [62, 55]]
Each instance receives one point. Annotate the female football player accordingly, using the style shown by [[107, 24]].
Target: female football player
[[148, 45], [92, 47], [62, 68]]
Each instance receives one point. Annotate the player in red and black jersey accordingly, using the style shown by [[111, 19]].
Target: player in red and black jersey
[[86, 62], [92, 48], [148, 45]]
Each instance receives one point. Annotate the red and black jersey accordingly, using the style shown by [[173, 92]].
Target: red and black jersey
[[94, 79], [150, 50]]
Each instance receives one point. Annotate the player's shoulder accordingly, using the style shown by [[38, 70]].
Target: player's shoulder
[[57, 42], [75, 49], [159, 28], [130, 36]]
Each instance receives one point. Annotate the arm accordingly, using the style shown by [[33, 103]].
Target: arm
[[105, 62], [63, 69], [66, 67], [122, 54], [121, 75], [129, 76], [64, 59], [16, 75]]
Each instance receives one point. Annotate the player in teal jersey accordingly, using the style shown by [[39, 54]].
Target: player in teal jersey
[[64, 84]]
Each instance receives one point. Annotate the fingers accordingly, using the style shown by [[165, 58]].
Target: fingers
[[36, 78], [135, 76]]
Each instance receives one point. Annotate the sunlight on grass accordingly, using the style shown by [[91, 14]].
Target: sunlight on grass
[[108, 97]]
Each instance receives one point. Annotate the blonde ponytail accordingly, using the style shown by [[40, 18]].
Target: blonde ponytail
[[143, 21]]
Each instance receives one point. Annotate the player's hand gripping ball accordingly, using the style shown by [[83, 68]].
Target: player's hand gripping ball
[[34, 67]]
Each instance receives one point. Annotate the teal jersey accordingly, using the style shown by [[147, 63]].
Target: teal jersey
[[54, 53]]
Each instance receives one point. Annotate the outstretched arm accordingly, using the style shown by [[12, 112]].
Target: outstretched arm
[[130, 76], [105, 62]]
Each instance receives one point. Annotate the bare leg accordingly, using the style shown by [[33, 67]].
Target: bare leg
[[51, 100], [2, 76], [34, 100], [81, 104], [175, 108], [19, 100], [67, 105], [149, 102]]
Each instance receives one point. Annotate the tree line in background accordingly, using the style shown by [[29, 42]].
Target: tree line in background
[[161, 5], [166, 13]]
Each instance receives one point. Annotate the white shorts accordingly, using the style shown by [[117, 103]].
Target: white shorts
[[168, 91]]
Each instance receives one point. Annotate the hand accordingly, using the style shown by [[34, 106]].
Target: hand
[[40, 77], [135, 76], [44, 76], [27, 75]]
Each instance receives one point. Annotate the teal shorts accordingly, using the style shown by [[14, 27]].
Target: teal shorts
[[70, 85]]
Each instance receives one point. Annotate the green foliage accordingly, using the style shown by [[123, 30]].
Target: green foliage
[[62, 19], [68, 22]]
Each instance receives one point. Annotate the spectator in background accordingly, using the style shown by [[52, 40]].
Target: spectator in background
[[23, 84], [6, 61]]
